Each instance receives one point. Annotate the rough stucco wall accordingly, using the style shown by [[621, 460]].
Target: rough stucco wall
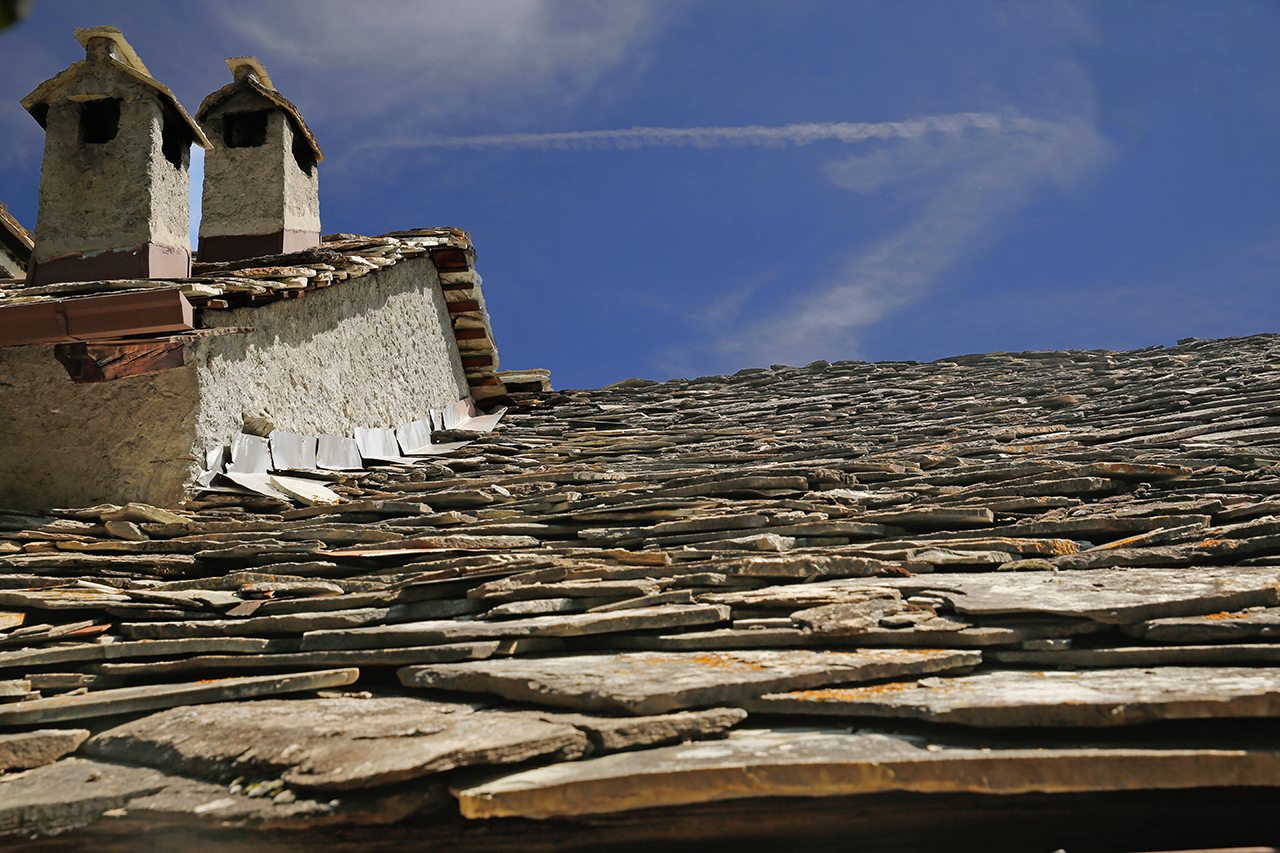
[[170, 188], [80, 445], [372, 352], [114, 194], [301, 190], [257, 190]]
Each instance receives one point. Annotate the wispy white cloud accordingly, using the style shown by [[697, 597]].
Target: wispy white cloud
[[412, 63], [720, 137], [961, 190]]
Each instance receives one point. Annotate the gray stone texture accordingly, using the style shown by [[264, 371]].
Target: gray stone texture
[[654, 683], [1103, 697], [817, 763], [313, 743], [24, 750], [69, 794]]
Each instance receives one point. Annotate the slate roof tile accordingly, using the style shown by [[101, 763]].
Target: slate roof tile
[[1019, 513]]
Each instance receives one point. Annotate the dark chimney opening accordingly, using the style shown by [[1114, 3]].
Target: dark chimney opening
[[246, 129], [99, 120], [303, 154], [175, 140]]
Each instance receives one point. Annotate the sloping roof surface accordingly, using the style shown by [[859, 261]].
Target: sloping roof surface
[[969, 577]]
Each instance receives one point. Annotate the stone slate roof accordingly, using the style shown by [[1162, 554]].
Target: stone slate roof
[[1043, 574], [15, 241], [339, 258]]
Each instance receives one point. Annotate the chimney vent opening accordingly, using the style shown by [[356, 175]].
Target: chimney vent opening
[[99, 120], [245, 129], [175, 141], [303, 154]]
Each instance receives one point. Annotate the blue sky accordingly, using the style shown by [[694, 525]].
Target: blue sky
[[664, 188]]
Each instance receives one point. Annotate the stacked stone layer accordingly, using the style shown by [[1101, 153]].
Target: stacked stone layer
[[977, 575]]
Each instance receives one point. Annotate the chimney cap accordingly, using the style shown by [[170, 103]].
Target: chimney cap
[[241, 65], [126, 54], [250, 74], [122, 59]]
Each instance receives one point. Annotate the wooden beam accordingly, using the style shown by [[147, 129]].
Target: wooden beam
[[110, 316], [89, 362]]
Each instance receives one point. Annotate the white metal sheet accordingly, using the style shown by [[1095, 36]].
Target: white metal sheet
[[335, 453]]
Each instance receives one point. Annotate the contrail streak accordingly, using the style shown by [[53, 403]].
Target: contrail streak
[[716, 137]]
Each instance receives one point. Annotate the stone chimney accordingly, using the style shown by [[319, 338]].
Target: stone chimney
[[115, 178], [261, 192]]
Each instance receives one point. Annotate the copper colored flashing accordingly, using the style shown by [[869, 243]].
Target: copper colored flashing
[[238, 247], [451, 260], [111, 316], [102, 362], [145, 261]]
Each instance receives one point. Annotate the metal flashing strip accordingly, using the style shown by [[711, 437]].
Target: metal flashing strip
[[255, 464], [250, 454], [293, 452], [379, 444], [335, 453], [415, 437]]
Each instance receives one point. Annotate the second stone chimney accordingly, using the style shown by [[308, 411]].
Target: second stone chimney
[[261, 193]]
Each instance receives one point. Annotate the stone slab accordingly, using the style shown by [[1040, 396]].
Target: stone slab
[[973, 636], [803, 566], [337, 658], [1110, 596], [334, 743], [197, 806], [1105, 697], [1237, 654], [654, 682], [573, 625], [824, 763], [69, 794], [297, 623], [1225, 627], [140, 649], [790, 597], [25, 750], [619, 734], [150, 697]]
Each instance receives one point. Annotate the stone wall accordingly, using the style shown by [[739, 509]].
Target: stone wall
[[78, 445]]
